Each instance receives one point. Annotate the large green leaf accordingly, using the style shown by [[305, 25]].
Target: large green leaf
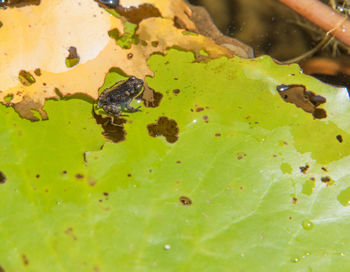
[[227, 195]]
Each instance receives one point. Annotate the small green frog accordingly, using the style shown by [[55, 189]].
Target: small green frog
[[118, 97]]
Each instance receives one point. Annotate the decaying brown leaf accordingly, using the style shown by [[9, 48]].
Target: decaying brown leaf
[[47, 32], [174, 9]]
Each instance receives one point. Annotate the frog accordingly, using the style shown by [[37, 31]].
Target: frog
[[117, 98]]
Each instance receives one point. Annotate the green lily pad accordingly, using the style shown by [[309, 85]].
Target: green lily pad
[[226, 195]]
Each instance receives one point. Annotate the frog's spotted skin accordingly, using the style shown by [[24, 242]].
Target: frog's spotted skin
[[117, 98]]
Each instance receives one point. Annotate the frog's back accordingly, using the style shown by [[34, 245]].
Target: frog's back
[[114, 93]]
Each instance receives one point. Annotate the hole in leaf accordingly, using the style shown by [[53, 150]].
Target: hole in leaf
[[26, 78], [164, 127], [73, 58], [155, 43], [302, 98], [19, 3], [37, 72], [8, 98], [151, 98], [185, 201], [113, 127], [137, 14]]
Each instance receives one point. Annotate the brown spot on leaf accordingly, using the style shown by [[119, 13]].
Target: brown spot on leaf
[[324, 169], [137, 14], [164, 127], [2, 269], [2, 178], [112, 126], [25, 260], [325, 179], [206, 118], [129, 175], [106, 195], [70, 233], [302, 98], [79, 176], [25, 107], [199, 109], [339, 138], [64, 172], [217, 134], [176, 91], [178, 162], [294, 200], [185, 201], [37, 176], [303, 169], [26, 78], [130, 55], [150, 97]]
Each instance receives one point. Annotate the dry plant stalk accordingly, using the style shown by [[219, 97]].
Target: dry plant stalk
[[322, 16]]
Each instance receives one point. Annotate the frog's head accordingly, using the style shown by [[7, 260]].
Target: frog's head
[[137, 85]]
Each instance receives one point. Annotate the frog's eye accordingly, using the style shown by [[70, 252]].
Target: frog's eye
[[132, 78]]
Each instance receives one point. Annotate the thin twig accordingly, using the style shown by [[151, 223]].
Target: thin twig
[[323, 43], [322, 16]]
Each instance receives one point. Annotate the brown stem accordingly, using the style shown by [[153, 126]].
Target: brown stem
[[322, 16]]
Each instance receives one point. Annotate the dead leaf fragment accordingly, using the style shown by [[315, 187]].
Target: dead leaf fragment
[[206, 27], [96, 52], [169, 9]]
